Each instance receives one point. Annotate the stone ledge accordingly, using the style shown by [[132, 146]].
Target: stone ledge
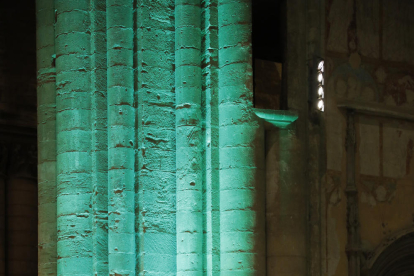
[[377, 109], [276, 118]]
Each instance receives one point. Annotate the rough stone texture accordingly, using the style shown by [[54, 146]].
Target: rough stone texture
[[182, 152], [156, 178], [74, 139], [121, 137], [189, 144], [163, 177], [99, 155]]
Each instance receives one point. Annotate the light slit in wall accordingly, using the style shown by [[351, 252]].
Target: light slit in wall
[[320, 89]]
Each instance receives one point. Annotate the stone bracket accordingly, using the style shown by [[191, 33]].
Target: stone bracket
[[276, 118]]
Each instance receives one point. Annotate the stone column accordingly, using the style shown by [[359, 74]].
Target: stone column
[[189, 156], [99, 118], [156, 139], [121, 137], [241, 146], [74, 138], [138, 189]]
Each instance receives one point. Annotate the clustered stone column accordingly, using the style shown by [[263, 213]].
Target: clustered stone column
[[151, 159]]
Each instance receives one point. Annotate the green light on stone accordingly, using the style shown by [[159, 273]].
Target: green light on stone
[[276, 118], [158, 148], [188, 142], [121, 137]]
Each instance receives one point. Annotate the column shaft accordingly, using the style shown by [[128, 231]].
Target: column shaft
[[99, 134], [189, 144], [156, 218], [74, 163], [241, 158], [121, 138]]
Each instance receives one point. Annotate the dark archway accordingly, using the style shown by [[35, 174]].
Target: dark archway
[[397, 259]]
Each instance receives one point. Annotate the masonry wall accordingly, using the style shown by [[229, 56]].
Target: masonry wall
[[369, 60]]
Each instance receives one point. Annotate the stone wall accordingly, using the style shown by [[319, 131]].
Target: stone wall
[[369, 60]]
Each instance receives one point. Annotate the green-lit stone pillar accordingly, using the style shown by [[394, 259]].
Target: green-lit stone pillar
[[241, 147], [156, 166], [155, 163], [121, 138], [74, 138], [46, 130], [99, 143], [189, 144]]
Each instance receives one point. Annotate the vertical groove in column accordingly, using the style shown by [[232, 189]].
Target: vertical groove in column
[[74, 166], [210, 90], [46, 102], [188, 132], [121, 128], [99, 145], [241, 180], [156, 219]]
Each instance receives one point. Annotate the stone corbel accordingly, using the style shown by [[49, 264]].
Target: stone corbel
[[276, 118]]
